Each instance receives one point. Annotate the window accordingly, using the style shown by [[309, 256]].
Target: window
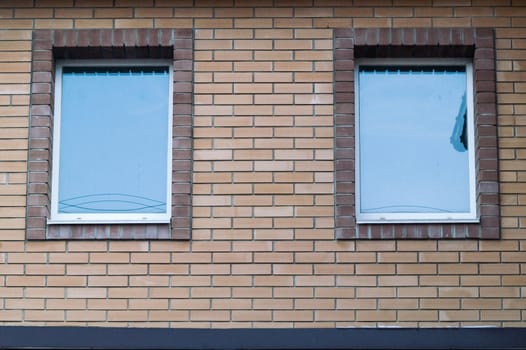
[[112, 138], [116, 163], [393, 178], [415, 141]]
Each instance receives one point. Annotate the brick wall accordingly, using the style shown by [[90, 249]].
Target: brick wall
[[263, 251]]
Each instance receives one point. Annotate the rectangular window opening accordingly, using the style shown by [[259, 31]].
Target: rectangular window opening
[[415, 141], [112, 141]]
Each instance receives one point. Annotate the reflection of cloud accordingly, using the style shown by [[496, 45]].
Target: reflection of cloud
[[459, 137]]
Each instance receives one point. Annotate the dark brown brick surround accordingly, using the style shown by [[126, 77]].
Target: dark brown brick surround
[[49, 45], [476, 43]]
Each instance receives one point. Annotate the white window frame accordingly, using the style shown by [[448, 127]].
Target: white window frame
[[105, 218], [468, 217]]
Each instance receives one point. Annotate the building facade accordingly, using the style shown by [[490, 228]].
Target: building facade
[[262, 230]]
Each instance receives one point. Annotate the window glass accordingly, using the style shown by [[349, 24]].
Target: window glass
[[114, 141], [414, 142]]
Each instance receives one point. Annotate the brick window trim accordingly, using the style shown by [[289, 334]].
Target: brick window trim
[[475, 43], [49, 45]]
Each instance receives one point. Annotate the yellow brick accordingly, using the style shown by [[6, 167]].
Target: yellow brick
[[297, 316], [209, 315], [93, 23], [441, 304], [478, 304], [128, 315], [440, 281], [292, 269], [26, 258], [107, 281], [44, 315], [500, 315], [127, 292], [418, 315], [168, 315], [481, 280], [273, 304], [362, 281], [263, 280], [29, 281], [169, 292], [356, 257], [24, 304], [375, 315], [375, 269], [48, 269], [458, 292], [53, 23], [232, 281], [45, 292], [251, 269], [109, 257], [412, 22], [397, 257], [230, 304], [397, 280], [417, 292], [454, 315], [68, 257], [86, 269], [253, 23], [66, 281], [480, 257], [85, 315], [34, 13], [73, 13], [433, 257], [113, 12], [398, 304], [252, 292]]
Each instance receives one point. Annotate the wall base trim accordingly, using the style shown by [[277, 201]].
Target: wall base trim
[[28, 337]]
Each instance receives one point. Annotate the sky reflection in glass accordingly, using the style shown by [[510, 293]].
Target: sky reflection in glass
[[411, 153], [113, 140]]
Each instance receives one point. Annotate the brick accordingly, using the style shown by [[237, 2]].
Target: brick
[[198, 315], [73, 292], [66, 281], [367, 269], [451, 315], [44, 315], [441, 304], [377, 315], [374, 292], [398, 304]]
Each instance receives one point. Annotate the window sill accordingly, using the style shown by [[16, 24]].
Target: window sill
[[114, 231], [450, 220], [107, 222]]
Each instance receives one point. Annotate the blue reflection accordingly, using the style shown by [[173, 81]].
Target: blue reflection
[[407, 161], [113, 140], [459, 136]]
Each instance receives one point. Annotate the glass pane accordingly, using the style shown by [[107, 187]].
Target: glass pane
[[413, 140], [113, 140]]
